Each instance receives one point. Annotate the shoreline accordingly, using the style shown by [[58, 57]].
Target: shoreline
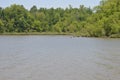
[[56, 33], [36, 33]]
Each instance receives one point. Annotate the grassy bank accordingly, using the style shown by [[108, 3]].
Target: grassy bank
[[56, 33], [36, 33]]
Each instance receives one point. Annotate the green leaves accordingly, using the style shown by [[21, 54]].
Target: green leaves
[[104, 20], [1, 26], [107, 16]]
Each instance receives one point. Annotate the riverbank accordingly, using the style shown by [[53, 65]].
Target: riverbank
[[36, 33], [56, 33]]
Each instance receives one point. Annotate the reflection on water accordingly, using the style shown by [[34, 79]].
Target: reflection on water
[[59, 58]]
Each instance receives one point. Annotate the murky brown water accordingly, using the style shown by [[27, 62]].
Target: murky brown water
[[59, 58]]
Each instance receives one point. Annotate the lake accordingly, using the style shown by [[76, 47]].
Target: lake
[[59, 58]]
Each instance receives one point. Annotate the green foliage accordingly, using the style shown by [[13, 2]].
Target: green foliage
[[104, 20], [107, 16], [1, 26]]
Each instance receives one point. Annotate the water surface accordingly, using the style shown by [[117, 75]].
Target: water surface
[[59, 58]]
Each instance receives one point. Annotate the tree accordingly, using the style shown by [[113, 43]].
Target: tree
[[104, 20], [33, 9], [1, 26]]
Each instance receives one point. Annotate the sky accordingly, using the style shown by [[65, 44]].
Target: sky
[[49, 3]]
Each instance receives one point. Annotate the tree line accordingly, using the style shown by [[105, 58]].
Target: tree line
[[103, 20]]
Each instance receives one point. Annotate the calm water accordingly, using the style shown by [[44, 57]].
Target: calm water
[[59, 58]]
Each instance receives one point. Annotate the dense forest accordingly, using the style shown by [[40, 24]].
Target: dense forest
[[102, 20]]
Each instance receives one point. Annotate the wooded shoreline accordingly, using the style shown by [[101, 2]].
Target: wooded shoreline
[[55, 33], [101, 21]]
